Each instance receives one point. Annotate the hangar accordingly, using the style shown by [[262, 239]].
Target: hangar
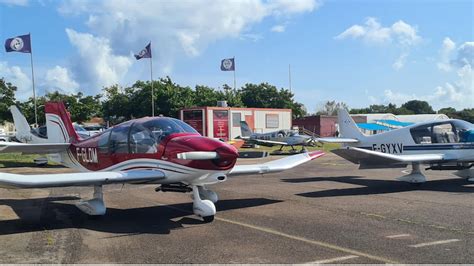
[[223, 122]]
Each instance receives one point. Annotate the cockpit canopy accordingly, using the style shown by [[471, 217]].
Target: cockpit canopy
[[451, 131], [141, 136]]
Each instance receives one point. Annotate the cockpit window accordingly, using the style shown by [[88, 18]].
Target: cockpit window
[[421, 134], [142, 140], [119, 139], [162, 127], [454, 131]]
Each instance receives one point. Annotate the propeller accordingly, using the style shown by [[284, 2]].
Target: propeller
[[198, 155]]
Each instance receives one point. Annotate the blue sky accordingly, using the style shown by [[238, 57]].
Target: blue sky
[[357, 52]]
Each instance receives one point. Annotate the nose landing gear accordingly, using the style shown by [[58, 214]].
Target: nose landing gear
[[204, 208]]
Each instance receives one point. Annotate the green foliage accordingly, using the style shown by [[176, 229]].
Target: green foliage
[[7, 98], [418, 107], [331, 107], [264, 95]]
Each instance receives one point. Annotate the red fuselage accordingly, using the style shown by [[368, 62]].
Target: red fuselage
[[157, 138]]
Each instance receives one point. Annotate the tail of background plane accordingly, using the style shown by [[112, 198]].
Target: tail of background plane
[[244, 127], [59, 124], [23, 130], [347, 126]]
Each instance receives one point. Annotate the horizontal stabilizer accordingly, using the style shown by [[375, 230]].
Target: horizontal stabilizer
[[276, 165], [79, 179], [41, 148]]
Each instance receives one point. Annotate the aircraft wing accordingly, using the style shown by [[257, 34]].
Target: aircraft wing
[[268, 142], [79, 179], [336, 140], [367, 158], [43, 148], [276, 165]]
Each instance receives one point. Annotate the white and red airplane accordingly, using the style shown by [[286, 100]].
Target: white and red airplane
[[150, 150]]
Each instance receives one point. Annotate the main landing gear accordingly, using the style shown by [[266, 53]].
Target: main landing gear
[[203, 199], [94, 206], [415, 177]]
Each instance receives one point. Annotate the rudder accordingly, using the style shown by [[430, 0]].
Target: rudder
[[347, 126], [59, 124]]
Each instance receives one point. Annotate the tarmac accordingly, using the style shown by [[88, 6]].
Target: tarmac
[[325, 211]]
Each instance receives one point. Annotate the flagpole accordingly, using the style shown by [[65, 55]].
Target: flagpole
[[289, 75], [234, 73], [33, 81], [152, 91]]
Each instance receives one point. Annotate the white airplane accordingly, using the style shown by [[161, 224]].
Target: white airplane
[[442, 144], [150, 150]]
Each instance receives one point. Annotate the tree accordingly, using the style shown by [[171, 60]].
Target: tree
[[331, 107], [7, 98], [265, 95], [418, 107]]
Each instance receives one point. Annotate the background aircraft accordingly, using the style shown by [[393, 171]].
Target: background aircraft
[[280, 137], [156, 150], [443, 145]]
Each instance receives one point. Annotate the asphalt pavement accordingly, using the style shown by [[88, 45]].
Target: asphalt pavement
[[325, 211]]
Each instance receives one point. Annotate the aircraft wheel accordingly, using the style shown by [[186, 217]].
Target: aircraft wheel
[[208, 219]]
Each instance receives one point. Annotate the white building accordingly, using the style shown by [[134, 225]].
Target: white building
[[224, 122]]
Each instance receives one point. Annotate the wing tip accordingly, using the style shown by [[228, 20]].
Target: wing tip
[[315, 154]]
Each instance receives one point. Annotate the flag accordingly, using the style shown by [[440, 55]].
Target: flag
[[228, 64], [20, 44], [145, 53]]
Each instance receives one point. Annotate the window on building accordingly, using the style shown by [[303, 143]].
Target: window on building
[[272, 121], [236, 118]]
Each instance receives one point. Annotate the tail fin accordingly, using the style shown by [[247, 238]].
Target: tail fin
[[347, 126], [59, 124], [244, 127], [23, 130]]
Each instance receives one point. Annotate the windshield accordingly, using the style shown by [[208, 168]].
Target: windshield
[[163, 127]]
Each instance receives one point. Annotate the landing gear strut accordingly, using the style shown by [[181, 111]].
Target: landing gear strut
[[415, 177], [94, 206], [204, 207]]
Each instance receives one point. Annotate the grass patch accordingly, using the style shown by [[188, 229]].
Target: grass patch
[[18, 159]]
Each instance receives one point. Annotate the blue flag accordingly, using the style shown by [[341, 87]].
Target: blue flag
[[228, 64], [145, 53], [20, 44]]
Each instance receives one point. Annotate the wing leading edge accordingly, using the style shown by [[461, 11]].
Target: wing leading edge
[[276, 165], [374, 158], [79, 179]]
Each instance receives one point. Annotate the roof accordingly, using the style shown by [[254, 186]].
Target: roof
[[394, 123], [371, 126], [422, 117]]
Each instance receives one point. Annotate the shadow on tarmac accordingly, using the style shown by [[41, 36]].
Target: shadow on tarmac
[[48, 214], [374, 186]]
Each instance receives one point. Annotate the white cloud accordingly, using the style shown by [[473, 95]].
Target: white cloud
[[278, 28], [177, 27], [95, 64], [14, 2], [445, 53], [465, 55], [400, 62], [18, 78], [58, 78], [374, 33]]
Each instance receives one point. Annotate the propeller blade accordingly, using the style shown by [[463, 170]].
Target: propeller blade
[[198, 155]]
